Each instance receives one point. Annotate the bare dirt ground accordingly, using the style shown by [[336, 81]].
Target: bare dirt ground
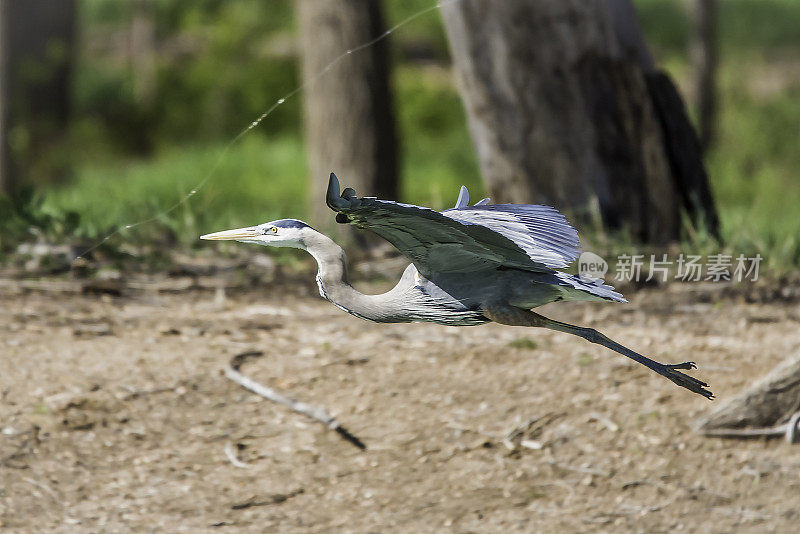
[[115, 417]]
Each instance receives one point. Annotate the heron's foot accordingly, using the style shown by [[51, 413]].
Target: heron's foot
[[685, 366], [686, 381]]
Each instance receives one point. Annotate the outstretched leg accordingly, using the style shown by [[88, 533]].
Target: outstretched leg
[[511, 315]]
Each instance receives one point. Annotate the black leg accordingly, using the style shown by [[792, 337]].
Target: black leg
[[511, 315], [668, 370]]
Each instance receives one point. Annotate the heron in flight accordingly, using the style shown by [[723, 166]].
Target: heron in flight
[[470, 265]]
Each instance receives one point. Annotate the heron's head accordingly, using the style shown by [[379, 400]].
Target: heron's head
[[280, 233]]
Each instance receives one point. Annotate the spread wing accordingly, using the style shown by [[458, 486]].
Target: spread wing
[[541, 231], [451, 241]]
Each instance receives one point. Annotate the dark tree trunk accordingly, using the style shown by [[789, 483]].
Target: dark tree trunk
[[349, 120], [36, 45], [561, 104], [704, 65], [7, 185]]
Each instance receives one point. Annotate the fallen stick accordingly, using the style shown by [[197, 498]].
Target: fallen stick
[[231, 454], [579, 469], [790, 430], [45, 487], [314, 412]]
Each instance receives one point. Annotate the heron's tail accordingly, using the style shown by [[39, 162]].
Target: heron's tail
[[579, 288]]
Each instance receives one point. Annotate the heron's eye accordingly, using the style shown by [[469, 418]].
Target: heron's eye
[[274, 229]]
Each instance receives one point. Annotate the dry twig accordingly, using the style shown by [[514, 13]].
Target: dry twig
[[47, 489], [790, 429], [580, 469], [605, 421], [23, 449], [231, 454], [314, 412], [276, 498], [522, 435]]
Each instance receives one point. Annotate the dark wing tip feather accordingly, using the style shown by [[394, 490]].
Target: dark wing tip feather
[[338, 202], [332, 197]]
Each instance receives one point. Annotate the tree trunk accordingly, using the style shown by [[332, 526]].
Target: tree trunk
[[704, 65], [561, 106], [142, 52], [349, 120], [772, 400], [36, 45]]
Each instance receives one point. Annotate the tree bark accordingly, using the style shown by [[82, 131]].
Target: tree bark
[[559, 95], [772, 400], [7, 185], [349, 121], [36, 45]]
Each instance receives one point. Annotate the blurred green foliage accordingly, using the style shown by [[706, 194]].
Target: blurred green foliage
[[745, 26], [215, 67], [158, 151], [251, 181], [26, 219], [221, 63], [754, 164]]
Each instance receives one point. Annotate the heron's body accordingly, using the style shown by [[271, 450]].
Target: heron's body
[[470, 265]]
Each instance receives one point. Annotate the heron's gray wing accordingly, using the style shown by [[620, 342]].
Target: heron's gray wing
[[541, 231], [434, 242]]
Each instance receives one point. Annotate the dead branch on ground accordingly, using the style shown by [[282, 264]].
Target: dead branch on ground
[[314, 412]]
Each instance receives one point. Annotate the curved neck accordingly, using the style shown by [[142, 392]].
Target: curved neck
[[331, 262], [333, 284]]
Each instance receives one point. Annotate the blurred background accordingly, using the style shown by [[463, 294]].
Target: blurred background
[[112, 111], [657, 126]]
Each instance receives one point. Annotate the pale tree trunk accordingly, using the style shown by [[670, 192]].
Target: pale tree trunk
[[565, 108], [142, 52], [36, 45], [771, 400], [704, 64], [349, 120]]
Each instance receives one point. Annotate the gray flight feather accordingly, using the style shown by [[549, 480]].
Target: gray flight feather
[[541, 231], [463, 198]]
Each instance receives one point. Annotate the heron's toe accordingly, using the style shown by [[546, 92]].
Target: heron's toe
[[684, 365]]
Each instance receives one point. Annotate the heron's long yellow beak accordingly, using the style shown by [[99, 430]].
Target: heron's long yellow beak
[[237, 233]]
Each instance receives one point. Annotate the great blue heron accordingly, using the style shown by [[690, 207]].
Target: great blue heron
[[470, 265]]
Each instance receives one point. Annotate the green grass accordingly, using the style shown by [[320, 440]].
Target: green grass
[[754, 164], [754, 168], [436, 149], [523, 343], [257, 180]]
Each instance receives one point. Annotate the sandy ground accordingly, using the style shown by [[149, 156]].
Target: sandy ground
[[115, 417]]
